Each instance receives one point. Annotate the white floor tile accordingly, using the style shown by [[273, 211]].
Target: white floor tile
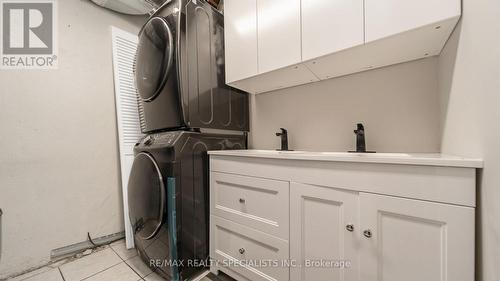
[[119, 272], [51, 275], [120, 248], [90, 265], [138, 266], [30, 274]]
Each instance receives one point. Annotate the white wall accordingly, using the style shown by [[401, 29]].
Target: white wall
[[398, 105], [59, 172], [469, 86]]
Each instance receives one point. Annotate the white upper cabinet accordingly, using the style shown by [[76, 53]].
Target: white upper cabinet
[[240, 25], [278, 29], [384, 18], [330, 26], [303, 41]]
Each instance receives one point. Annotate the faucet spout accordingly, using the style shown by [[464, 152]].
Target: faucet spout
[[360, 138], [284, 139]]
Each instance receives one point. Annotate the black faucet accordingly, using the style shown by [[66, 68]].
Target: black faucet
[[360, 140], [284, 139]]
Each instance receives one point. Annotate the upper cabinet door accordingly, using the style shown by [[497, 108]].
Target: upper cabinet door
[[330, 26], [412, 240], [240, 25], [388, 17], [278, 29]]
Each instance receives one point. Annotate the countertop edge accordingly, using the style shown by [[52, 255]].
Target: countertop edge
[[444, 161]]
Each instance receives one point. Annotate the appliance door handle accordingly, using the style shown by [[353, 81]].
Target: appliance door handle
[[163, 197], [163, 206], [169, 59]]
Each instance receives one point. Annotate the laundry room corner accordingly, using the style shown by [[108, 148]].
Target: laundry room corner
[[249, 140], [55, 124]]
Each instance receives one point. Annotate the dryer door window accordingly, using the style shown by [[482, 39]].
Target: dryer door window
[[154, 58], [146, 197]]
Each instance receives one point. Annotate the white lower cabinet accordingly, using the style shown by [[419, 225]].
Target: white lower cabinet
[[415, 240], [261, 204], [279, 221], [249, 226], [248, 254], [323, 229]]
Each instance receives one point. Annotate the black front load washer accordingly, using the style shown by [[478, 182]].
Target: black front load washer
[[180, 71], [168, 199]]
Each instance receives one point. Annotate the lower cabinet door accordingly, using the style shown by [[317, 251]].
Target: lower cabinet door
[[411, 240], [324, 233]]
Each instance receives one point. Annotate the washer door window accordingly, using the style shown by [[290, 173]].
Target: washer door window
[[146, 197], [154, 58]]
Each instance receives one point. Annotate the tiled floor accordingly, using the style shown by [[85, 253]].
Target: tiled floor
[[110, 263]]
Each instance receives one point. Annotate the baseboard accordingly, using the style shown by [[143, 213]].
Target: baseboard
[[82, 246]]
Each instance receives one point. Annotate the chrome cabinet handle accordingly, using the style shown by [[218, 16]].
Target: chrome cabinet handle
[[350, 227], [242, 251], [367, 233], [242, 201]]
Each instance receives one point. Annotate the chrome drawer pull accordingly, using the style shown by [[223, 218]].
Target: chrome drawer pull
[[242, 251], [242, 201], [367, 233]]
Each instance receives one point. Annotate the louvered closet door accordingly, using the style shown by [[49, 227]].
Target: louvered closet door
[[127, 112]]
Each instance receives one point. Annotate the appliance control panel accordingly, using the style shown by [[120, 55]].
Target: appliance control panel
[[160, 139]]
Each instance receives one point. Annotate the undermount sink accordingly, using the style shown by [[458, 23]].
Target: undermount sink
[[290, 152], [337, 154], [274, 151], [364, 154]]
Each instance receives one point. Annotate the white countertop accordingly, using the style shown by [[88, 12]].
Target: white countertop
[[382, 158]]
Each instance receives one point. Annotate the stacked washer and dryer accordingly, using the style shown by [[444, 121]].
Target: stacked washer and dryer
[[185, 109]]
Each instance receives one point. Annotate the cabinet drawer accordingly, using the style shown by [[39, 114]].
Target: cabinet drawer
[[247, 252], [258, 203]]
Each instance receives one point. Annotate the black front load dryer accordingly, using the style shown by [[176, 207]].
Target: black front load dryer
[[168, 195], [180, 71]]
